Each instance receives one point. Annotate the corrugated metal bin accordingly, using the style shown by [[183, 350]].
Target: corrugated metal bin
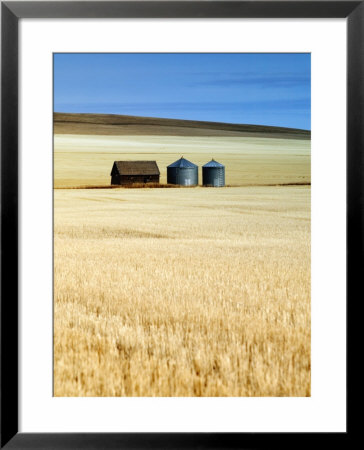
[[182, 172], [213, 174]]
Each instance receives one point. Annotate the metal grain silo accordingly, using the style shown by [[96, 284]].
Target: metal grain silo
[[213, 174], [182, 172]]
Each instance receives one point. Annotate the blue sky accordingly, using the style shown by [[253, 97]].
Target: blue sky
[[263, 89]]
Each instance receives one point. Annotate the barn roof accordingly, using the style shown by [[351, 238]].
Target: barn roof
[[137, 167], [182, 164], [213, 163]]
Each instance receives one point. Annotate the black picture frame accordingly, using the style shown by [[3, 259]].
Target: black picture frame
[[11, 12]]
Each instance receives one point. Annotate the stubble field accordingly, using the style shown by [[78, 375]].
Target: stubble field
[[82, 160], [182, 292]]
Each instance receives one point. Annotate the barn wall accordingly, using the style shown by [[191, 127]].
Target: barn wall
[[128, 179], [115, 179]]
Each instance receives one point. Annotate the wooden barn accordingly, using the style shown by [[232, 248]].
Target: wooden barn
[[129, 172]]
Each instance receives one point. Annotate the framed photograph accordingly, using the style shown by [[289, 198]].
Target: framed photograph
[[181, 207]]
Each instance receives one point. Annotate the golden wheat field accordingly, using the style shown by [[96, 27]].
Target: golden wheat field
[[181, 292]]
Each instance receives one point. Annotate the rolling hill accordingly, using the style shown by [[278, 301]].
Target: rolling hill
[[121, 125]]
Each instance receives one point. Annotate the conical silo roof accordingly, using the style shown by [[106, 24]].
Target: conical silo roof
[[182, 164], [213, 163]]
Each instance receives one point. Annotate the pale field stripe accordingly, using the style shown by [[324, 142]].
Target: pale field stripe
[[84, 160]]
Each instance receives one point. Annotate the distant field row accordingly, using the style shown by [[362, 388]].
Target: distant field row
[[121, 125], [81, 160]]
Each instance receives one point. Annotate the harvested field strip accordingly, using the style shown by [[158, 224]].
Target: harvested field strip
[[161, 186]]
